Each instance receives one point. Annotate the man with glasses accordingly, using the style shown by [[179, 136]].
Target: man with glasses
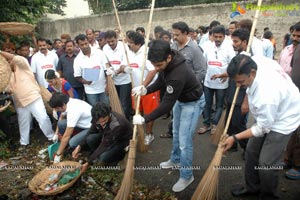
[[108, 136]]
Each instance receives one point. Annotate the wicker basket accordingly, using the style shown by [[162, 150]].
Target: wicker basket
[[16, 28], [43, 176], [46, 95], [5, 73]]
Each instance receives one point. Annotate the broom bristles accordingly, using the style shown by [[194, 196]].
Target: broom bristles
[[141, 138], [127, 181], [215, 138]]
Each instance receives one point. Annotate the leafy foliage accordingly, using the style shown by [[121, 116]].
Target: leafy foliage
[[29, 11]]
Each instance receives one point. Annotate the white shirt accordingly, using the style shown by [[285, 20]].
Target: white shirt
[[273, 99], [268, 48], [136, 62], [218, 59], [78, 114], [115, 58], [96, 60], [257, 47], [40, 63]]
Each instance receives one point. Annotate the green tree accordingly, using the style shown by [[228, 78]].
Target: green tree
[[29, 11]]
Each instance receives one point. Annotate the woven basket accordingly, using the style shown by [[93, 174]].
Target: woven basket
[[16, 28], [46, 95], [43, 176], [5, 73]]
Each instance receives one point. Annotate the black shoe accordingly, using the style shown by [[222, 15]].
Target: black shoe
[[242, 192]]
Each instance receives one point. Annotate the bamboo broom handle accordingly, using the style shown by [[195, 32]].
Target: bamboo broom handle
[[122, 37], [248, 50], [144, 61]]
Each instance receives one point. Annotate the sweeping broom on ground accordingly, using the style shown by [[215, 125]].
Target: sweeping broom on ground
[[207, 188], [127, 181], [215, 138], [141, 135]]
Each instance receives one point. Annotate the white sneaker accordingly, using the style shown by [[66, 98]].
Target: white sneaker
[[182, 184], [169, 164], [149, 139]]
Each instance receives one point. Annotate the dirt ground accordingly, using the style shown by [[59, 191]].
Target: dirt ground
[[150, 182]]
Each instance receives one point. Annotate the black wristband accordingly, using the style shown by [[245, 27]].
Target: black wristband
[[235, 139]]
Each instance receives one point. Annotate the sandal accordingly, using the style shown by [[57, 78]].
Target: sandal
[[203, 130], [293, 174], [213, 129], [166, 135]]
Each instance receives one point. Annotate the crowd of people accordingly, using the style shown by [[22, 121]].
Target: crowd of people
[[188, 72]]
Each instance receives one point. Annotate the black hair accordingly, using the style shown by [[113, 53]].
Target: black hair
[[93, 31], [182, 26], [296, 27], [41, 40], [267, 34], [50, 74], [165, 33], [110, 34], [48, 42], [159, 51], [70, 41], [158, 29], [80, 37], [136, 38], [245, 23], [219, 29], [56, 39], [58, 99], [234, 22], [214, 24], [241, 64], [25, 43], [241, 33], [100, 110], [140, 29]]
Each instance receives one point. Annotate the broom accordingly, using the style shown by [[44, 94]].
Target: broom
[[215, 138], [127, 181], [141, 132], [112, 93], [207, 188]]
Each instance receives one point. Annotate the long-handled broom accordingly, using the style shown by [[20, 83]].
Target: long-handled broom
[[141, 134], [127, 181], [207, 188], [215, 138]]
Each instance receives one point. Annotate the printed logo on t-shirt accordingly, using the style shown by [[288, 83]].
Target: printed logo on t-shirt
[[134, 65], [115, 62], [47, 66], [170, 89], [215, 63], [96, 67]]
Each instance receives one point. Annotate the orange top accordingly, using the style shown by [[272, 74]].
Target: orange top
[[22, 83]]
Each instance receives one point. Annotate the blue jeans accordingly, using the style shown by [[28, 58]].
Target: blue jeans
[[92, 99], [124, 93], [185, 118], [209, 95], [201, 104], [76, 139]]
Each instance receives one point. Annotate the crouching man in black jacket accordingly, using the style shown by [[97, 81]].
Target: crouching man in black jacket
[[183, 91], [108, 136]]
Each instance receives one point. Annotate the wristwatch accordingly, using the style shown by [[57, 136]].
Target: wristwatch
[[235, 139]]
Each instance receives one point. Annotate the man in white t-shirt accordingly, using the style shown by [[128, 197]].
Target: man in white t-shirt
[[90, 34], [75, 117], [218, 56], [115, 53], [89, 66], [42, 61], [136, 57]]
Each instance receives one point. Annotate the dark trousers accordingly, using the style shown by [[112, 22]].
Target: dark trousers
[[209, 95], [292, 154], [237, 124], [262, 153], [124, 93], [112, 154]]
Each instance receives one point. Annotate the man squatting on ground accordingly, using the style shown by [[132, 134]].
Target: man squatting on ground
[[274, 103], [107, 138], [183, 92]]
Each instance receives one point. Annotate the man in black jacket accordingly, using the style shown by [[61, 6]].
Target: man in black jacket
[[183, 91], [108, 136]]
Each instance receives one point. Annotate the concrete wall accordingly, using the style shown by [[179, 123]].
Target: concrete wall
[[278, 21]]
